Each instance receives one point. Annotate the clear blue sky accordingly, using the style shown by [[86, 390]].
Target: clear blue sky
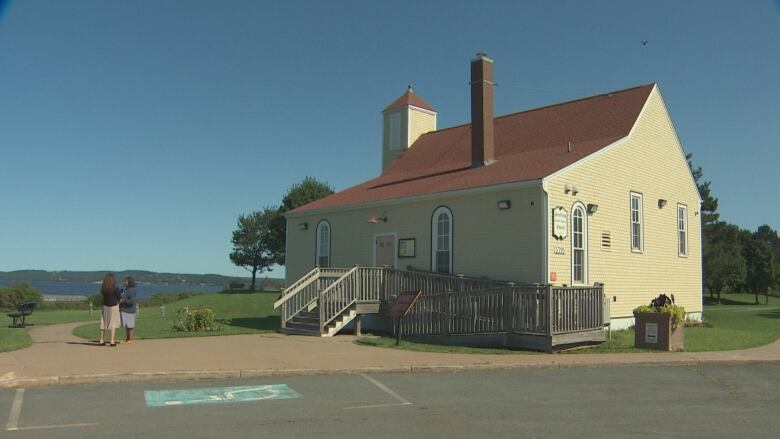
[[133, 133]]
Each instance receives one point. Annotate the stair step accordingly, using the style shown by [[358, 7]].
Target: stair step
[[304, 326], [294, 331], [300, 318]]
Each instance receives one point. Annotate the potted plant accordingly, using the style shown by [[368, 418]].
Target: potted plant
[[660, 325]]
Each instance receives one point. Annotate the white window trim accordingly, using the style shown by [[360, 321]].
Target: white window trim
[[317, 243], [685, 227], [434, 236], [395, 246], [581, 206], [641, 248]]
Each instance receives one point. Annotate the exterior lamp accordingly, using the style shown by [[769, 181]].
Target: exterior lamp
[[661, 203], [592, 208], [376, 219], [303, 226], [504, 204]]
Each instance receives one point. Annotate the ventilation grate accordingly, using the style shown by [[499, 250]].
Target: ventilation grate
[[606, 240]]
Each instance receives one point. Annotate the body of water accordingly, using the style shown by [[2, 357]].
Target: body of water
[[89, 289]]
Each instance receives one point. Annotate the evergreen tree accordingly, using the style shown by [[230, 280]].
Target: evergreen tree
[[299, 194]]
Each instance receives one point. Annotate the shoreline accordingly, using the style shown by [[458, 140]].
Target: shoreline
[[63, 298]]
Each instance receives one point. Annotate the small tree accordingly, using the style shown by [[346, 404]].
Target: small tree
[[252, 240], [298, 195], [760, 266]]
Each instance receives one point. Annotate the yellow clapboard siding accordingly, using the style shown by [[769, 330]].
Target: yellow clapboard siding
[[499, 244], [650, 161]]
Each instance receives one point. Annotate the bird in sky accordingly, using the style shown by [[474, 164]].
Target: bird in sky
[[644, 43]]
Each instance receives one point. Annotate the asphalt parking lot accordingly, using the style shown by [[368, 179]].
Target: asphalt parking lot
[[706, 401]]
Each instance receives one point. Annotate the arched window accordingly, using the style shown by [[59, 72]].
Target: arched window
[[322, 251], [579, 245], [441, 240]]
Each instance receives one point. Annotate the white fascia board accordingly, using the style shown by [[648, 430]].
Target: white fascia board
[[605, 149], [585, 159], [417, 198]]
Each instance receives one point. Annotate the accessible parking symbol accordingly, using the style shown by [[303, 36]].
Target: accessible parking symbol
[[165, 398]]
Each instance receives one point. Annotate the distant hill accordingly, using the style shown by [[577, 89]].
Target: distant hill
[[138, 275]]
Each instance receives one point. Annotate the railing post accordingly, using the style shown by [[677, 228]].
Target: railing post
[[509, 304], [549, 301], [447, 312], [321, 307]]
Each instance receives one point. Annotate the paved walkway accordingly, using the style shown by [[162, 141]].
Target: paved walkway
[[58, 357]]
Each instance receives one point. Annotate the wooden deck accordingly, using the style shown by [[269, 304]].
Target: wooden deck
[[452, 310]]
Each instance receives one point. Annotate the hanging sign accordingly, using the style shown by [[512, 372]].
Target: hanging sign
[[560, 223], [403, 303]]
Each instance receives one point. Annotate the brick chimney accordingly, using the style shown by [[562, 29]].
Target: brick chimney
[[482, 111]]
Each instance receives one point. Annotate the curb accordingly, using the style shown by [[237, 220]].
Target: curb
[[187, 375]]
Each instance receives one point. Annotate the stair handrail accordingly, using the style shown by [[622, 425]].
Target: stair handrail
[[326, 318], [289, 292]]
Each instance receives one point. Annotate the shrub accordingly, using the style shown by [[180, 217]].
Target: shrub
[[13, 295], [194, 320], [677, 312]]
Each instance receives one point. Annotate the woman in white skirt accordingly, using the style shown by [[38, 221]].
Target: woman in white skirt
[[128, 308], [109, 319]]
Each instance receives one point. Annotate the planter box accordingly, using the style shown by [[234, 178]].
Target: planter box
[[654, 331]]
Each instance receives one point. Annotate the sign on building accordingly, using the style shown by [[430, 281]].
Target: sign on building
[[560, 223]]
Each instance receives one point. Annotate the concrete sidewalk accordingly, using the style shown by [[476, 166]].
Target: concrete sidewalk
[[58, 357]]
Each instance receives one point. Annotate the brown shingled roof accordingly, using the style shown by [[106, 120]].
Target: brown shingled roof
[[529, 145], [408, 98]]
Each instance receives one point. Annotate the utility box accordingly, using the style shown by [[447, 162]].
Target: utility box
[[653, 330]]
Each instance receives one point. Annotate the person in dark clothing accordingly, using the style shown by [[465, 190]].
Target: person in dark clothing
[[128, 308], [109, 319]]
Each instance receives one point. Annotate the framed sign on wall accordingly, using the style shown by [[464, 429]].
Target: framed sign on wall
[[406, 248]]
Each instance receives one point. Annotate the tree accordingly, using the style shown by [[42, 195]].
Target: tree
[[760, 266], [725, 269], [770, 238], [251, 242], [299, 194], [709, 204]]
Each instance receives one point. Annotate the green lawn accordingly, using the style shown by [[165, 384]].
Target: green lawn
[[12, 339], [737, 323], [17, 338], [245, 313]]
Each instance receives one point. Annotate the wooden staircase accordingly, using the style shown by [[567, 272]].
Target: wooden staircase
[[308, 323], [325, 300]]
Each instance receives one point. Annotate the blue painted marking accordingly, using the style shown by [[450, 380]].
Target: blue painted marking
[[165, 398]]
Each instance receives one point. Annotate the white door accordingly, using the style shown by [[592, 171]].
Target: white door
[[384, 250]]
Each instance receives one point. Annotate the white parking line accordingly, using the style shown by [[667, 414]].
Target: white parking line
[[401, 400], [49, 427], [16, 411]]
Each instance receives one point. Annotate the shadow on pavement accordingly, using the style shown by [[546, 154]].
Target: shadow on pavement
[[264, 323]]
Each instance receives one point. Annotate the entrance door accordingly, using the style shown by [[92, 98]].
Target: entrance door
[[384, 250]]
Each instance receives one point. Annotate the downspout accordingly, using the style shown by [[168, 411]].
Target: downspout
[[545, 277], [286, 235], [701, 258]]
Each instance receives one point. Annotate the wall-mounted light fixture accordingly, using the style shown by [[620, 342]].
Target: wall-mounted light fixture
[[574, 190], [376, 219], [504, 204], [661, 203], [592, 208], [303, 226], [567, 188]]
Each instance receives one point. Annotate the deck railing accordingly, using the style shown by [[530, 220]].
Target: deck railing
[[521, 309], [449, 305]]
